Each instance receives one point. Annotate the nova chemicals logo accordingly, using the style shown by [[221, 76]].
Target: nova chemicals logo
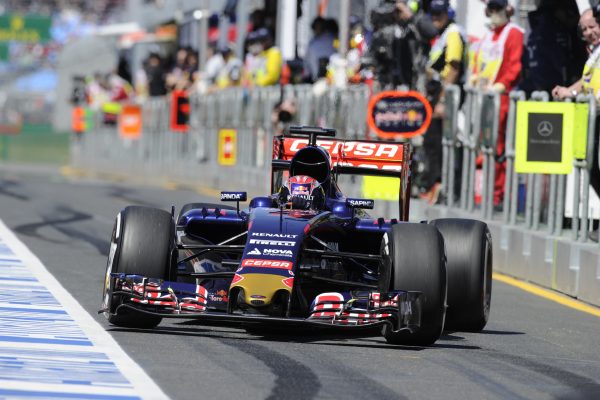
[[255, 252], [278, 252], [251, 262]]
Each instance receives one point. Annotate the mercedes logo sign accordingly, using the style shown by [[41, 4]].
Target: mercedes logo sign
[[545, 128]]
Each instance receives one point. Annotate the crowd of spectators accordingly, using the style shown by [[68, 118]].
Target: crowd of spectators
[[70, 20]]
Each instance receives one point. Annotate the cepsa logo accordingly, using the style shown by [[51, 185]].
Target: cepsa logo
[[386, 156], [353, 148], [252, 262]]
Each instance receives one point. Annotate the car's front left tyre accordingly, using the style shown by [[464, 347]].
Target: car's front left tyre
[[142, 243]]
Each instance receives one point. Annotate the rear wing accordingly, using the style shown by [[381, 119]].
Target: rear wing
[[353, 157]]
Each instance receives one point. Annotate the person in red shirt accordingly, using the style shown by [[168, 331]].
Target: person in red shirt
[[497, 66]]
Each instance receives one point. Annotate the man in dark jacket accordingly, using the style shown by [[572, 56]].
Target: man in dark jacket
[[554, 54]]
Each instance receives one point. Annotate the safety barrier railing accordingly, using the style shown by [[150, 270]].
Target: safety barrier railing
[[481, 113], [475, 136], [193, 154]]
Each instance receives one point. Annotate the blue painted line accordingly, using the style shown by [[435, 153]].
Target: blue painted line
[[17, 339], [33, 326], [33, 310], [44, 353], [3, 278], [62, 395], [19, 318]]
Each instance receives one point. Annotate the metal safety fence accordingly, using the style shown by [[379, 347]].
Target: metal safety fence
[[534, 201], [193, 156]]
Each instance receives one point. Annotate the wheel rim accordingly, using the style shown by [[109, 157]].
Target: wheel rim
[[487, 293], [106, 298]]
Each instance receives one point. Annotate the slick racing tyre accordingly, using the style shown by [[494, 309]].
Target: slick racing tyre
[[194, 206], [469, 266], [142, 243], [416, 262]]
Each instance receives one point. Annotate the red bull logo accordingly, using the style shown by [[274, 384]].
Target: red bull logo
[[298, 189]]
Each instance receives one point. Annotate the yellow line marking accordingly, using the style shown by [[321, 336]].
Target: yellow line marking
[[170, 185], [548, 294], [207, 191]]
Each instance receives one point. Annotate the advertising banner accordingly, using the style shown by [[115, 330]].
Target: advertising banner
[[227, 150], [30, 28], [548, 135], [130, 122], [394, 115]]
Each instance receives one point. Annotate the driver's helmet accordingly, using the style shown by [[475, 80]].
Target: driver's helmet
[[302, 191]]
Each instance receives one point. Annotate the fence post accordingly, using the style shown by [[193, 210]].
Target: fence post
[[487, 138], [511, 186], [586, 165], [450, 130]]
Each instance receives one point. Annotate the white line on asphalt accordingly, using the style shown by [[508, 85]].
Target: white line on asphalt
[[142, 385]]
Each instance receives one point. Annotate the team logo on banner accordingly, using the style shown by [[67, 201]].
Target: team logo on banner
[[398, 115]]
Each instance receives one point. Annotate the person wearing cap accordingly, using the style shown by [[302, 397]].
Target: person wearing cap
[[268, 59], [447, 54], [446, 66], [497, 67]]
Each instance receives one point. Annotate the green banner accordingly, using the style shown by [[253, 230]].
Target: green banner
[[4, 52], [18, 28]]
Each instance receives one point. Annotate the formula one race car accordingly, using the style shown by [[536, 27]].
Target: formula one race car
[[304, 255]]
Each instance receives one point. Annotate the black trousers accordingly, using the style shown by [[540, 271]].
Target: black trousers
[[432, 145]]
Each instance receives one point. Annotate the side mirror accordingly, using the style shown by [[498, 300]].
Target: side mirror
[[360, 203]]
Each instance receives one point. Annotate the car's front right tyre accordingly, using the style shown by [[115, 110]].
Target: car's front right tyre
[[414, 260]]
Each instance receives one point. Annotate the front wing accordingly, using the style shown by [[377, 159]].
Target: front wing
[[353, 310]]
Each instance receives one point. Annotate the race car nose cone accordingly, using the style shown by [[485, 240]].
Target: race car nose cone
[[259, 289]]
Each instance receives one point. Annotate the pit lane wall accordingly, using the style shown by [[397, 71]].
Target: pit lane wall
[[533, 240]]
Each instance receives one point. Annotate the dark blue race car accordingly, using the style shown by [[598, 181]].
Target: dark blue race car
[[305, 254]]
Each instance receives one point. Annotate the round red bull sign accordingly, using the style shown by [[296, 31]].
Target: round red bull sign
[[398, 115]]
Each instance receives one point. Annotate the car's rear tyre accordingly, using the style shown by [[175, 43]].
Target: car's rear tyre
[[416, 262], [193, 206], [469, 266], [142, 243]]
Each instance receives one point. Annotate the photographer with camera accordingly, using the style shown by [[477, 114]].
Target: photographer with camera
[[400, 43], [446, 66]]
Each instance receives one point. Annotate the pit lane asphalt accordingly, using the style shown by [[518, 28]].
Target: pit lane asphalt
[[532, 348]]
